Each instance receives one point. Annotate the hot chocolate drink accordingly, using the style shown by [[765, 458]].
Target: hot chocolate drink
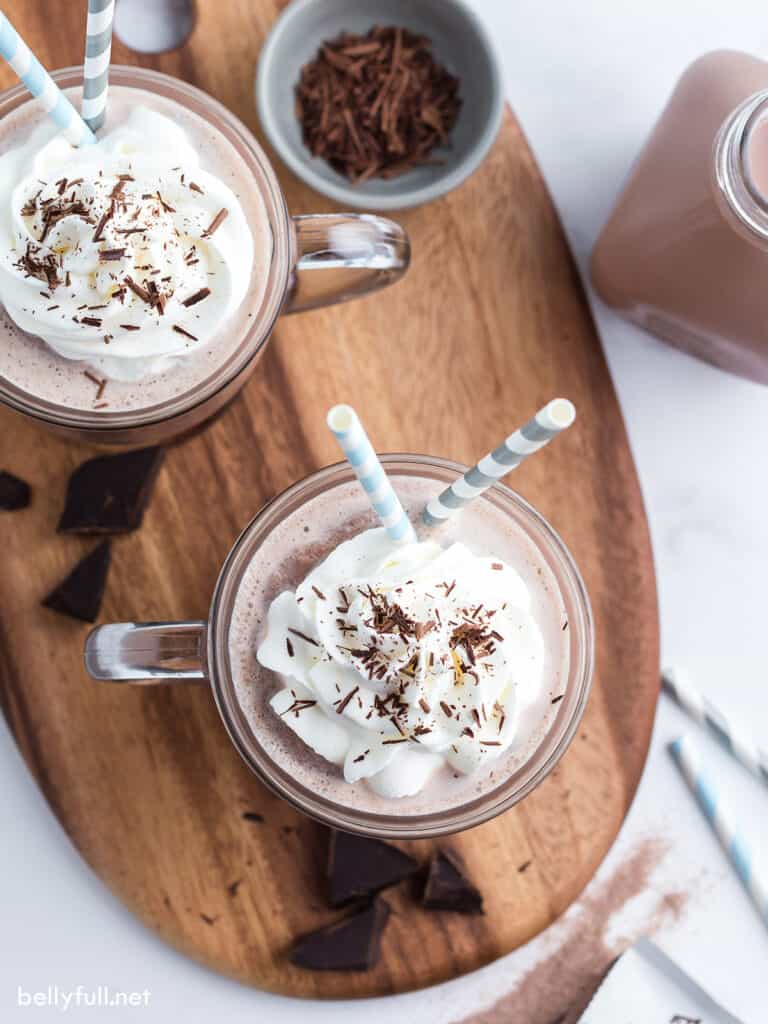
[[398, 678], [129, 269]]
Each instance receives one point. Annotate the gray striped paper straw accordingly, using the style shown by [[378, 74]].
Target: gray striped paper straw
[[546, 424], [738, 744], [98, 49], [348, 431], [752, 871], [42, 86]]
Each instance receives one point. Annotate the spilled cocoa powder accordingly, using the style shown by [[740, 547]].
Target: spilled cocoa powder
[[558, 988]]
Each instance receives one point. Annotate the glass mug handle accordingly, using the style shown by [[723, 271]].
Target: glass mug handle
[[147, 652], [342, 256]]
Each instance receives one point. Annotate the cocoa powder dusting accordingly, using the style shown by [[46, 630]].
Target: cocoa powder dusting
[[558, 988]]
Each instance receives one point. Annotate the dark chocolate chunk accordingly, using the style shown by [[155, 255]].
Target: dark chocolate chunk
[[79, 594], [108, 494], [358, 867], [352, 944], [448, 887], [14, 492]]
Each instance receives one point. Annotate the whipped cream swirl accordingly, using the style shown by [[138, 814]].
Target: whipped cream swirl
[[126, 254], [397, 660]]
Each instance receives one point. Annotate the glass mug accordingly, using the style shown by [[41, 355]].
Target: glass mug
[[316, 260], [159, 653]]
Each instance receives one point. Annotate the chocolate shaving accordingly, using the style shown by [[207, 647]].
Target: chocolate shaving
[[196, 297], [43, 267], [303, 636], [297, 707], [139, 290], [166, 206], [105, 255], [376, 104], [103, 221], [216, 222], [343, 703], [187, 334]]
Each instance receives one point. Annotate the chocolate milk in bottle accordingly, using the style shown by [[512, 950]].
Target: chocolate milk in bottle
[[685, 250]]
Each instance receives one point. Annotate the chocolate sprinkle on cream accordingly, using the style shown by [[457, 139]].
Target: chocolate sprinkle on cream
[[187, 334], [216, 223], [103, 221], [297, 707], [343, 703], [303, 636], [198, 296]]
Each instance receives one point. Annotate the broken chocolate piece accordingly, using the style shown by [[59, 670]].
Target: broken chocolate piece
[[14, 492], [79, 594], [448, 887], [108, 494], [358, 867], [352, 944]]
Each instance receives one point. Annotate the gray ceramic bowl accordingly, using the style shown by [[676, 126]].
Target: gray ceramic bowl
[[459, 42]]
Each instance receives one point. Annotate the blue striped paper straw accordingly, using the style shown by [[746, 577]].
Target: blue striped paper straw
[[348, 431], [42, 86], [737, 743], [98, 49], [751, 872], [546, 424]]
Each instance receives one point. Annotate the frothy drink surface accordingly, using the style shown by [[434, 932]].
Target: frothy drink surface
[[295, 547], [34, 367]]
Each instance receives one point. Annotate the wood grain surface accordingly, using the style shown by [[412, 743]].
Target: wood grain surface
[[489, 323]]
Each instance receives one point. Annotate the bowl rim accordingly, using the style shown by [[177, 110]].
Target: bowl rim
[[359, 198]]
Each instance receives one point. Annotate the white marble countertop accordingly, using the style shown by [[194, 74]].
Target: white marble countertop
[[586, 80]]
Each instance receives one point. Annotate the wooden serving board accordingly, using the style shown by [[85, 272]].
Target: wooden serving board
[[489, 323]]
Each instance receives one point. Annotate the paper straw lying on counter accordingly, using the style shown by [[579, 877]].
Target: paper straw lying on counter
[[42, 86], [546, 424], [348, 431], [735, 741], [750, 870], [98, 50]]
